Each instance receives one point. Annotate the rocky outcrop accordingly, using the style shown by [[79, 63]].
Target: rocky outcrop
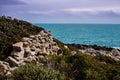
[[36, 47], [33, 48], [18, 51], [40, 44], [17, 55], [95, 50]]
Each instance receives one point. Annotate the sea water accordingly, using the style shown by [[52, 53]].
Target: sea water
[[90, 34]]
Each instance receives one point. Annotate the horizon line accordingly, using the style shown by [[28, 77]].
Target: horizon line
[[76, 23]]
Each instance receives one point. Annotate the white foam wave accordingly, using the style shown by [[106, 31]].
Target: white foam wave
[[117, 48]]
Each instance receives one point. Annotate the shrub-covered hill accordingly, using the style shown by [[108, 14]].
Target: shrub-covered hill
[[11, 31], [72, 65]]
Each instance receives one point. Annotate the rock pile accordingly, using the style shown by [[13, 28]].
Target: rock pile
[[115, 54], [40, 44], [32, 48], [95, 50], [110, 52]]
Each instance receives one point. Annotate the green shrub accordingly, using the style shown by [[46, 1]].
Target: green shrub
[[36, 72], [92, 75], [68, 67], [83, 67]]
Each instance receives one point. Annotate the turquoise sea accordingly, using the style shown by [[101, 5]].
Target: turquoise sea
[[99, 34]]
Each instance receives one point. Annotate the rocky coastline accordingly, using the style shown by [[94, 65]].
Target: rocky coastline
[[36, 47], [22, 44], [95, 50]]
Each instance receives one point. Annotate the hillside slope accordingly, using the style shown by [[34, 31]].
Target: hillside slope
[[31, 52], [13, 30]]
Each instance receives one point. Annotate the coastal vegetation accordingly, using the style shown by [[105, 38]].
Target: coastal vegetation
[[13, 30], [70, 67], [67, 66]]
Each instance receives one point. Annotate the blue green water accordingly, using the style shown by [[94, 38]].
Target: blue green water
[[99, 34]]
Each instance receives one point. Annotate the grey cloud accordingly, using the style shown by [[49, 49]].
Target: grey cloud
[[11, 2]]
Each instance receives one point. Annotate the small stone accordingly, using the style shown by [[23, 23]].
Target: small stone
[[34, 41], [33, 48], [29, 41], [12, 62], [32, 36], [65, 46], [29, 59], [25, 38], [59, 52], [25, 44], [115, 52]]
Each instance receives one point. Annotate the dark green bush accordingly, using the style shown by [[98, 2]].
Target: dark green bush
[[69, 67], [83, 67], [36, 72]]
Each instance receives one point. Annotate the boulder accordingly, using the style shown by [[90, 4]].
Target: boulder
[[59, 52], [65, 46], [27, 49], [29, 41], [34, 41], [18, 46], [32, 36], [4, 68], [25, 38], [42, 33], [18, 51], [25, 44], [29, 59], [12, 62], [115, 52], [33, 48]]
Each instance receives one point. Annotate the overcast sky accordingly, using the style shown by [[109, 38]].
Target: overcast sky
[[63, 11]]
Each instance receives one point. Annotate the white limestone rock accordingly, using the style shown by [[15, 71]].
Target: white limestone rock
[[115, 52], [4, 68], [18, 51], [12, 62], [25, 38]]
